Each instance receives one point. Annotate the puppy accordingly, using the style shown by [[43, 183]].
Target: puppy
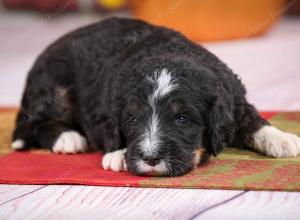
[[153, 101]]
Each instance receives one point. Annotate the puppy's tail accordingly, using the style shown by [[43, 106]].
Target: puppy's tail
[[22, 135]]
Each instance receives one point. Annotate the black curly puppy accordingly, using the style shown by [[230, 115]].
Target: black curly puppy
[[153, 101]]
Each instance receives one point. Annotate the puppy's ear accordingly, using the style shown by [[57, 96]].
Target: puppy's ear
[[220, 125]]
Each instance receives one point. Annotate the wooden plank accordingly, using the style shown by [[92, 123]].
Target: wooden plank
[[258, 205], [88, 202], [11, 192]]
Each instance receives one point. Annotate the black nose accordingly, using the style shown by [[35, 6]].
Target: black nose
[[150, 160]]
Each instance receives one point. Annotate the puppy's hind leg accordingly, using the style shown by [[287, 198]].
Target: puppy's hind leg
[[53, 126], [256, 133], [60, 139], [276, 143]]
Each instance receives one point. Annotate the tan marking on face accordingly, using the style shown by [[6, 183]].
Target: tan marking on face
[[175, 106], [198, 155]]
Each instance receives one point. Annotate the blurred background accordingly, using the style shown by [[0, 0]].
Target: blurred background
[[258, 39]]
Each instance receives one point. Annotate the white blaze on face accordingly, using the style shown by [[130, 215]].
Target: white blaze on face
[[163, 84], [151, 140]]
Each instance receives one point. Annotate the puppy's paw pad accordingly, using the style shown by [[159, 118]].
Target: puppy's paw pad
[[70, 142], [114, 161], [18, 144], [276, 143]]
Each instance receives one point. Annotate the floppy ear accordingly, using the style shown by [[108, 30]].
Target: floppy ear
[[220, 125]]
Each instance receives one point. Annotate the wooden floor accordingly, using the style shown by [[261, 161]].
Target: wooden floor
[[269, 67], [89, 202]]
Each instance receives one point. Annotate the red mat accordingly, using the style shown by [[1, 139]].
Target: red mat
[[37, 168]]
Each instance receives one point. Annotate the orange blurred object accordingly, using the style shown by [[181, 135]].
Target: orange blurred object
[[210, 20]]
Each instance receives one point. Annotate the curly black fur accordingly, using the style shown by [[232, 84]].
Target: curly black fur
[[97, 80]]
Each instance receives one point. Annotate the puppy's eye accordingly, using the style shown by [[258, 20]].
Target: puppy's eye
[[181, 120]]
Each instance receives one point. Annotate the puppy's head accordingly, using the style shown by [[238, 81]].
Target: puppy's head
[[166, 126]]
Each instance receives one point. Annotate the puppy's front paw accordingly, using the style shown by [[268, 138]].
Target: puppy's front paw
[[18, 144], [114, 161], [276, 143], [70, 142]]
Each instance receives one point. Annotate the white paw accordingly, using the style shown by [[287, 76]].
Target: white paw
[[114, 161], [18, 144], [276, 143], [70, 142]]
